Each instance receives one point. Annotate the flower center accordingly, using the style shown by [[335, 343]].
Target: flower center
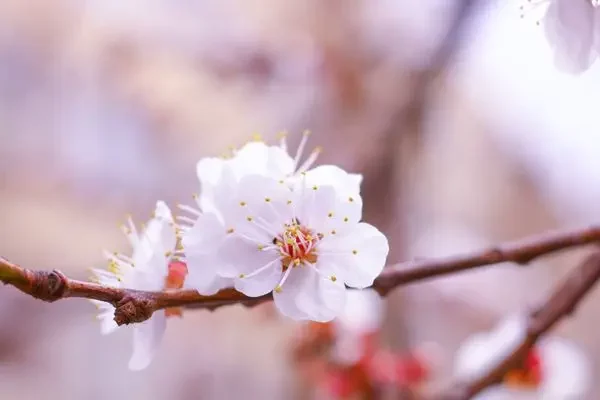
[[297, 245], [529, 375]]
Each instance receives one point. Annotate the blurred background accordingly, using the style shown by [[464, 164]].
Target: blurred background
[[466, 133]]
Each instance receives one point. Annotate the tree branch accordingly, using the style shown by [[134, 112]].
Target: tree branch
[[561, 303], [136, 306]]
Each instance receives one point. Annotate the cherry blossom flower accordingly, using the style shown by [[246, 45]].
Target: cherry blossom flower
[[553, 369], [256, 158], [150, 267], [205, 232], [305, 244], [572, 28]]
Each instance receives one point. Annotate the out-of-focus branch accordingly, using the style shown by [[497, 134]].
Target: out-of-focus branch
[[136, 306], [563, 301], [520, 252]]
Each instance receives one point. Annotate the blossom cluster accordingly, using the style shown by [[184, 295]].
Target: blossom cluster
[[264, 222], [554, 368]]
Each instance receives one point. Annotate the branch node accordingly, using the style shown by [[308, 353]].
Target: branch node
[[134, 308], [48, 286]]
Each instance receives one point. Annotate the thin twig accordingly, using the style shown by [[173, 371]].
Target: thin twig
[[563, 301], [136, 306]]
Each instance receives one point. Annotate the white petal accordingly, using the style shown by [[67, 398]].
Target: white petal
[[222, 193], [163, 212], [202, 244], [285, 300], [345, 183], [205, 236], [279, 164], [245, 257], [108, 324], [597, 29], [202, 273], [482, 351], [149, 275], [209, 170], [360, 253], [569, 29], [147, 337], [363, 312], [213, 174], [317, 208], [333, 298], [318, 297], [106, 316], [323, 209], [566, 370], [158, 237], [263, 281], [261, 208], [250, 159], [205, 283]]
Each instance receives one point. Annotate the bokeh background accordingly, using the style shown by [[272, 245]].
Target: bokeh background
[[465, 139]]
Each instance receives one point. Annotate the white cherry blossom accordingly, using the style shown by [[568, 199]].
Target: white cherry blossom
[[304, 243], [256, 158], [555, 368], [206, 229], [572, 28], [146, 269]]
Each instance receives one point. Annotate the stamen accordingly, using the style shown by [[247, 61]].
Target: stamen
[[123, 257], [258, 271], [279, 287], [312, 158], [184, 228], [331, 277], [189, 209], [300, 150], [264, 226], [282, 140], [130, 232], [132, 227], [186, 219]]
